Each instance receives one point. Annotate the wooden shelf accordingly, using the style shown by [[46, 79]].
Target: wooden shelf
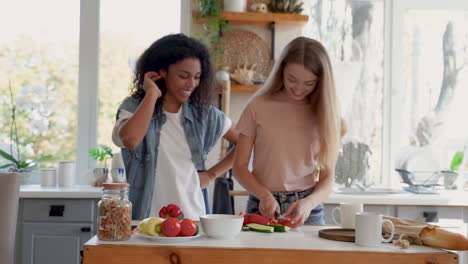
[[255, 18], [243, 89]]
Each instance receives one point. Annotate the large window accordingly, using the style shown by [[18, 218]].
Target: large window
[[39, 61], [401, 68], [48, 52], [353, 33], [127, 28], [432, 82]]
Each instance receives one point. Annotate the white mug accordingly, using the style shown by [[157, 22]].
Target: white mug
[[347, 214], [369, 229], [66, 173], [49, 177]]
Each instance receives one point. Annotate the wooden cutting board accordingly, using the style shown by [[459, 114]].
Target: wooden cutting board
[[339, 234]]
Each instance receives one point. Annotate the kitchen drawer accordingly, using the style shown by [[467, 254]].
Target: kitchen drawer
[[59, 210], [429, 213]]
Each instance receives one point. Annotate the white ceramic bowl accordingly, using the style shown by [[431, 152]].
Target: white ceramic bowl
[[221, 226]]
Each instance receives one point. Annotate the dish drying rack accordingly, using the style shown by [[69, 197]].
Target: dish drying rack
[[421, 182]]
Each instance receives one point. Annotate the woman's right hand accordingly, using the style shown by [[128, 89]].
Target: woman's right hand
[[149, 83], [268, 206]]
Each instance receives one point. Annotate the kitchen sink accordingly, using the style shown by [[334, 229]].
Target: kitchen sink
[[370, 191]]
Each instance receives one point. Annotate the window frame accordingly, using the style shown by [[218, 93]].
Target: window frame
[[394, 91], [88, 82]]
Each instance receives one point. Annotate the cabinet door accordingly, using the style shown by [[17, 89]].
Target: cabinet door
[[429, 213], [54, 243]]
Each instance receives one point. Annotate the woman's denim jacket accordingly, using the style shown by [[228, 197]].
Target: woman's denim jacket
[[202, 129]]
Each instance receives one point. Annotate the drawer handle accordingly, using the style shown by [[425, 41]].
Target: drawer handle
[[430, 216], [56, 210], [86, 229]]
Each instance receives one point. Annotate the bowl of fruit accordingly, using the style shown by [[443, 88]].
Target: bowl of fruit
[[221, 226]]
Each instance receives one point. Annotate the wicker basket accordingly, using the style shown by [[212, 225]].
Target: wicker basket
[[244, 48]]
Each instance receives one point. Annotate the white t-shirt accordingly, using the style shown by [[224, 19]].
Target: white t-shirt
[[176, 180]]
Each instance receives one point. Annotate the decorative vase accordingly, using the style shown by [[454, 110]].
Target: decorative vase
[[450, 179], [9, 194], [235, 5]]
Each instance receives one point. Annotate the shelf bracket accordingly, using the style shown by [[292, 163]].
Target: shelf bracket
[[272, 30]]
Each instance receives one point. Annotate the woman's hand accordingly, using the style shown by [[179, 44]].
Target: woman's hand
[[268, 206], [205, 178], [149, 83], [302, 208]]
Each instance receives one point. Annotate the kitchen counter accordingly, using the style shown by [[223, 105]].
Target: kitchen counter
[[74, 192], [444, 198], [301, 245]]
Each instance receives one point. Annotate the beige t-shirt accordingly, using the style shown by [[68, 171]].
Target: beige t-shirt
[[286, 142]]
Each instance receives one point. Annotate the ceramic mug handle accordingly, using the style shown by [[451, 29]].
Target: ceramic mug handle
[[334, 215], [388, 240]]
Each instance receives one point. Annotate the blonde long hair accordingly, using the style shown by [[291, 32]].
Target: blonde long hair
[[313, 55]]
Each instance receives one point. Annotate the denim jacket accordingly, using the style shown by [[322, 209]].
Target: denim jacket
[[202, 129]]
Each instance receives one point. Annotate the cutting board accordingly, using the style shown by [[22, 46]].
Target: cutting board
[[339, 234]]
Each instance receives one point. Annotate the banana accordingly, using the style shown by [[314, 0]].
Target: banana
[[150, 226]]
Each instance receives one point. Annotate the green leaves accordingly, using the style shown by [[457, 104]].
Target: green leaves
[[10, 158], [457, 160], [101, 152], [213, 26], [22, 164]]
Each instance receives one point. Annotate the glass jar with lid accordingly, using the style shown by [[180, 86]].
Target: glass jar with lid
[[114, 212]]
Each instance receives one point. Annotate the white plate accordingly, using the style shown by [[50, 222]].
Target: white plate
[[163, 239]]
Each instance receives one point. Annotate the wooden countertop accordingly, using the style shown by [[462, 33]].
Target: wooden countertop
[[301, 245]]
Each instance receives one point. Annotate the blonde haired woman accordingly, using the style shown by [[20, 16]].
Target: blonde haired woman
[[294, 127]]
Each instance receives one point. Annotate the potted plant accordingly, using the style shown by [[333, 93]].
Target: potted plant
[[213, 25], [450, 176], [101, 154], [19, 164]]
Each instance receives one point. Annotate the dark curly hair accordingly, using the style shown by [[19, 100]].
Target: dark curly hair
[[171, 49]]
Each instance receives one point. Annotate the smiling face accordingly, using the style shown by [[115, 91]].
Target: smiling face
[[182, 78], [298, 81]]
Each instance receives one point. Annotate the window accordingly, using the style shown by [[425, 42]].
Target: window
[[39, 58], [353, 33], [127, 29], [400, 68], [432, 54], [41, 52]]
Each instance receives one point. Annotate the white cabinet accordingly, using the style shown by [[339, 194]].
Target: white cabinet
[[53, 231], [430, 213]]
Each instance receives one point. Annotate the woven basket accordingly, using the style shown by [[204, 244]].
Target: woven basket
[[242, 47]]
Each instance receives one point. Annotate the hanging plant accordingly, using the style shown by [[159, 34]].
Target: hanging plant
[[213, 24]]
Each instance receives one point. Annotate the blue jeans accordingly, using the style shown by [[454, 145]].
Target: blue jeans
[[285, 199]]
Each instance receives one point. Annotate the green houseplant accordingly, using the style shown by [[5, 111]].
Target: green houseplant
[[101, 154], [213, 24], [19, 164], [450, 176]]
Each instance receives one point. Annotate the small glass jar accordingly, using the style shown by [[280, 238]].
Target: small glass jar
[[114, 213]]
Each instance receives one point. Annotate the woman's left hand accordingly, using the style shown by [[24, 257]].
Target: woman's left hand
[[205, 178], [302, 208]]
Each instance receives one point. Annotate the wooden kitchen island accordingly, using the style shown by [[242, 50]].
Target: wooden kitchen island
[[300, 245]]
